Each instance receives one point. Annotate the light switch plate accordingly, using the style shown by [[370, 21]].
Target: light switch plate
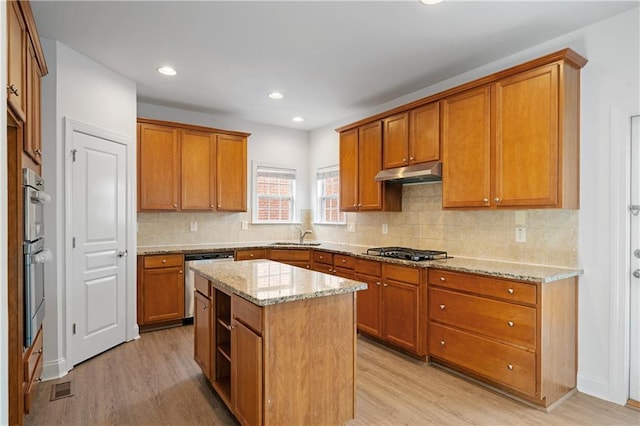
[[244, 225], [351, 227], [193, 227], [385, 228]]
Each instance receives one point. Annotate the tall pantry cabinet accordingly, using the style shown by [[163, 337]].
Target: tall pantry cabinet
[[25, 67]]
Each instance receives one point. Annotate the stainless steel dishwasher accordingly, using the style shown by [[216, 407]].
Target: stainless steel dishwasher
[[189, 276]]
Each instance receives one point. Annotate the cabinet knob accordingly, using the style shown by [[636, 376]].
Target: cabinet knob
[[164, 260], [355, 205], [411, 158], [175, 205], [510, 291], [321, 257], [308, 266], [385, 285], [510, 367], [442, 307], [360, 205], [404, 160], [510, 323], [377, 283], [344, 260], [212, 206], [251, 255], [442, 279], [497, 199], [441, 342], [485, 200], [13, 90], [180, 272]]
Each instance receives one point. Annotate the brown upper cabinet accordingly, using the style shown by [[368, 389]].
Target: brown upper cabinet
[[412, 137], [360, 161], [183, 167], [17, 60], [508, 140]]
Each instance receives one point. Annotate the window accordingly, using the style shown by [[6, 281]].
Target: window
[[274, 194], [329, 196]]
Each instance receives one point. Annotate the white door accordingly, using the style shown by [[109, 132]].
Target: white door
[[98, 230], [634, 331]]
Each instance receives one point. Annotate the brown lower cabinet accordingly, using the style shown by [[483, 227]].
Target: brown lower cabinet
[[519, 337], [263, 360], [393, 308], [160, 288]]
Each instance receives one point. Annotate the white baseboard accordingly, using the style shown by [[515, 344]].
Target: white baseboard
[[54, 369]]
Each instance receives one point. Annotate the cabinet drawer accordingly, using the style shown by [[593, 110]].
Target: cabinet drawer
[[162, 261], [293, 255], [504, 321], [503, 289], [31, 357], [343, 261], [401, 273], [344, 273], [202, 285], [323, 257], [505, 364], [247, 313], [368, 267], [251, 254]]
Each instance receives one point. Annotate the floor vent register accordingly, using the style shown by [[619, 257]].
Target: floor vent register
[[61, 390]]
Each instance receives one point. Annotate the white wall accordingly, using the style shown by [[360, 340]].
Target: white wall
[[4, 307], [609, 79], [83, 90], [269, 144]]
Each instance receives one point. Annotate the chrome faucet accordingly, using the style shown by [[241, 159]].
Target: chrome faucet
[[303, 234]]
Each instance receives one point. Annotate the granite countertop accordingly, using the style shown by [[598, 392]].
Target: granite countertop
[[265, 282], [500, 269]]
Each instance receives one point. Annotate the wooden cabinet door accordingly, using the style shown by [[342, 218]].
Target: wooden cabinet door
[[400, 314], [202, 333], [158, 167], [349, 170], [369, 164], [163, 294], [466, 147], [368, 306], [424, 133], [231, 173], [395, 141], [246, 374], [32, 141], [198, 151], [526, 138], [16, 58]]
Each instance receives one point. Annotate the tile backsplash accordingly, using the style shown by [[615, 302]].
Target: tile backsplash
[[551, 233]]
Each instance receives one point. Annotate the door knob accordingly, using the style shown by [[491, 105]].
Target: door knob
[[636, 273], [636, 253], [123, 253]]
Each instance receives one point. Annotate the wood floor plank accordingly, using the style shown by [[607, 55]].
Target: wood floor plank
[[154, 381]]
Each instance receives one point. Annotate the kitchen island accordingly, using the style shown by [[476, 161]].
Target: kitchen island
[[277, 342]]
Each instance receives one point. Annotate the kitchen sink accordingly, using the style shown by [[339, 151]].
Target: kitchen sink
[[289, 243]]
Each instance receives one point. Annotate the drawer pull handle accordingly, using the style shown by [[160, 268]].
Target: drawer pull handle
[[164, 260], [385, 285], [442, 307], [251, 255], [344, 260], [442, 279], [510, 291], [441, 342], [510, 367], [377, 283], [510, 323]]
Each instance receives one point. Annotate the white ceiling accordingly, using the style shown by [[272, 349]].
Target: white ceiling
[[331, 59]]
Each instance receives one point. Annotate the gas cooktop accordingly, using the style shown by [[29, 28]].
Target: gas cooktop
[[407, 253]]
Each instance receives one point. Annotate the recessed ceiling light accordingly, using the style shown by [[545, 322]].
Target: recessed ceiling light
[[430, 2], [167, 71], [276, 95], [298, 119]]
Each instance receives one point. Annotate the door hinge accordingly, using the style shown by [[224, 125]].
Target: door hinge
[[73, 242], [73, 154], [74, 328]]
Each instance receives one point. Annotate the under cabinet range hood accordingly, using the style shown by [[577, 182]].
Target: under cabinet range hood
[[415, 173]]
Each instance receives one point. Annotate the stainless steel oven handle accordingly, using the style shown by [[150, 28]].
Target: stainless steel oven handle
[[43, 256]]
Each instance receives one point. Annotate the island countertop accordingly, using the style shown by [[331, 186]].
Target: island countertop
[[265, 282]]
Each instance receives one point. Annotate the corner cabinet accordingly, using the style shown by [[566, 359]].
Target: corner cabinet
[[360, 161], [192, 168], [514, 143]]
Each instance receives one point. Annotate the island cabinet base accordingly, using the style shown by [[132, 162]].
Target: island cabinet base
[[289, 363]]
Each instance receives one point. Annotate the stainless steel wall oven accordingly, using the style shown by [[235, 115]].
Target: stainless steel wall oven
[[35, 253]]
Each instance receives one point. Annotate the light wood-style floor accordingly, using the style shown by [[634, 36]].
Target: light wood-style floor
[[154, 381]]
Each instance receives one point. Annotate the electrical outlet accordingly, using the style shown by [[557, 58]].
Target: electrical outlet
[[385, 228], [521, 235], [193, 227], [244, 225], [351, 227]]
